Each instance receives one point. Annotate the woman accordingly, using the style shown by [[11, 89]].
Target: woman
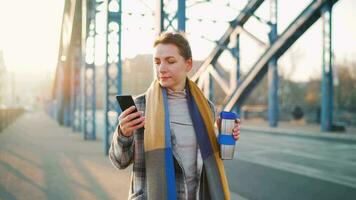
[[173, 147]]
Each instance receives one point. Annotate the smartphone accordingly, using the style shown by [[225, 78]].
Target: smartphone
[[125, 102]]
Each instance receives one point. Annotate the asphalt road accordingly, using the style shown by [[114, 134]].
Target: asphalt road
[[277, 166]]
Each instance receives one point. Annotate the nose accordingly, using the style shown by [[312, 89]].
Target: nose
[[162, 68]]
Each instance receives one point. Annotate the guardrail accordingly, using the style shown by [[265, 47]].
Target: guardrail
[[7, 116]]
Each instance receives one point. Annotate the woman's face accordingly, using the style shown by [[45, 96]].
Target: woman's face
[[171, 68]]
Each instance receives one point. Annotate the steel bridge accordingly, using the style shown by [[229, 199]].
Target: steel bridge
[[74, 100]]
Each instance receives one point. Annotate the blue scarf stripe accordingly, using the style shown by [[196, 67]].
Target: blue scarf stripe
[[199, 127], [170, 175]]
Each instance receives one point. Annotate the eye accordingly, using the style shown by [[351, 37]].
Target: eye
[[171, 61], [157, 62]]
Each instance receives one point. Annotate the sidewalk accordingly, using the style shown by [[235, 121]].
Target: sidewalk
[[299, 130], [41, 160]]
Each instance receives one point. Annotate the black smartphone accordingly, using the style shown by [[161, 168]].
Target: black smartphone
[[125, 102]]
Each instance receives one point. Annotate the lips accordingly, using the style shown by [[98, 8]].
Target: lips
[[164, 78]]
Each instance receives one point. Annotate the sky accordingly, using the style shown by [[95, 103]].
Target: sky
[[29, 36], [30, 32]]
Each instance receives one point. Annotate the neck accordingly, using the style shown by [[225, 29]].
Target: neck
[[178, 88]]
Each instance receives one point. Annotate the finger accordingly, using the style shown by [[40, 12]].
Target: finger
[[237, 121], [236, 128], [236, 133], [131, 116], [127, 112], [137, 126], [134, 115], [134, 122]]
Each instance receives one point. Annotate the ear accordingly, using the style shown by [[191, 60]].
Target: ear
[[189, 64]]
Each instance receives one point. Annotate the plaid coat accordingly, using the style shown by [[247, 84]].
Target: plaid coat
[[127, 150]]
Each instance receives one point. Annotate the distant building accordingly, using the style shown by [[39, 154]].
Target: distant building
[[137, 74]]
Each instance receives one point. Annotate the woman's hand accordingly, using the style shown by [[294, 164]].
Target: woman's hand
[[130, 121], [235, 130]]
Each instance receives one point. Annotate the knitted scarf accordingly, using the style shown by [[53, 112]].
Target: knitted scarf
[[160, 174]]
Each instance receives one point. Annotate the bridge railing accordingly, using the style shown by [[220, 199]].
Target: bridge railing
[[9, 115]]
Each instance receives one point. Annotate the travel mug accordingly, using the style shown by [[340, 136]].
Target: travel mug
[[225, 137]]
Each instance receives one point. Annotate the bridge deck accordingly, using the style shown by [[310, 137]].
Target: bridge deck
[[41, 160]]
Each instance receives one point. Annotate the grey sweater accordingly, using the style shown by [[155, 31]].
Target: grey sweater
[[186, 144]]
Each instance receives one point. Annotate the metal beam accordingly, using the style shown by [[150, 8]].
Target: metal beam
[[327, 92], [74, 60], [181, 15], [62, 87], [113, 69], [240, 20], [164, 23], [89, 90], [211, 90], [306, 18], [253, 37], [76, 107], [238, 66], [273, 70], [219, 79]]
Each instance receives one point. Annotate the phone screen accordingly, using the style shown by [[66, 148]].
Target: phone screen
[[125, 101]]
